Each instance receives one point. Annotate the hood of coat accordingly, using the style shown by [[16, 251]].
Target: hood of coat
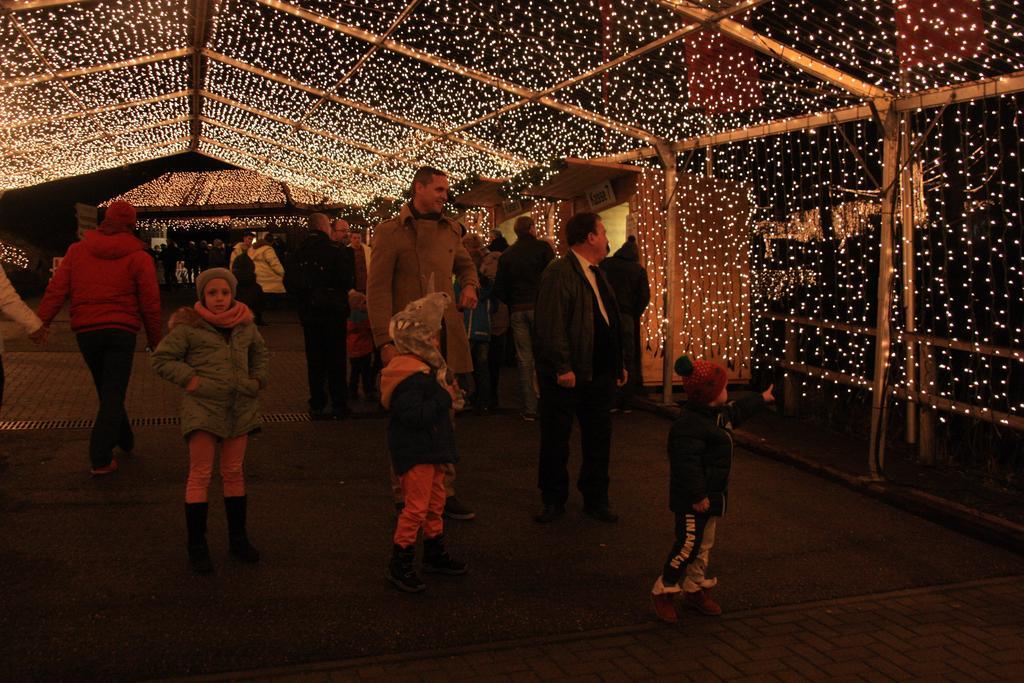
[[111, 247], [628, 251], [395, 372], [185, 315]]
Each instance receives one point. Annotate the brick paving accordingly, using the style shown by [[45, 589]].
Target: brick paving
[[970, 632]]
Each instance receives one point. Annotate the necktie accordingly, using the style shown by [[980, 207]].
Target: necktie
[[606, 298]]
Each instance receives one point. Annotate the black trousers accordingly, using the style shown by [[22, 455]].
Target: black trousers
[[109, 355], [325, 365], [589, 403], [689, 537], [495, 359], [361, 371]]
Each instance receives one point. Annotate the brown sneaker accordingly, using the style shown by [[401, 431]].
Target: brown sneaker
[[702, 602], [665, 607]]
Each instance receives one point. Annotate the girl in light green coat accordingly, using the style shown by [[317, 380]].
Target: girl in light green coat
[[215, 353]]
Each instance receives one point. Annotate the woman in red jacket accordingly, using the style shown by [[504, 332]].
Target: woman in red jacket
[[112, 285]]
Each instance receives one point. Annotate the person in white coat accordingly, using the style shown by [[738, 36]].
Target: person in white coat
[[14, 308]]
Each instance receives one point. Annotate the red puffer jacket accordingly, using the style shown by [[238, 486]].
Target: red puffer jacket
[[112, 284]]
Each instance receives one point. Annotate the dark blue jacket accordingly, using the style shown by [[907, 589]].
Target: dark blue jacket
[[700, 450], [420, 430]]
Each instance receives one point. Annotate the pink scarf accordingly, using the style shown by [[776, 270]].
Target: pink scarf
[[238, 314]]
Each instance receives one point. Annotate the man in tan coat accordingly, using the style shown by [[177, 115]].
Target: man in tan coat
[[413, 255]]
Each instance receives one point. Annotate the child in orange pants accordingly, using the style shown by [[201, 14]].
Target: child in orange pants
[[417, 389], [216, 354]]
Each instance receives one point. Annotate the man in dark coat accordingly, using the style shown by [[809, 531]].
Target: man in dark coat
[[519, 270], [319, 278], [633, 292], [578, 350]]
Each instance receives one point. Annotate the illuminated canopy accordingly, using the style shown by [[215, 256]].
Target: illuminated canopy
[[345, 99]]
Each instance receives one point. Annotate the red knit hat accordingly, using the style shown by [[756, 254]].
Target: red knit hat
[[119, 217], [702, 379]]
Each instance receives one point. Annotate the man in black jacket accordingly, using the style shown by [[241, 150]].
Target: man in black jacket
[[319, 278], [577, 345], [519, 270], [633, 292]]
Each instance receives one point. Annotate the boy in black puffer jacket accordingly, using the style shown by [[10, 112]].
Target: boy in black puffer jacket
[[420, 393], [700, 455]]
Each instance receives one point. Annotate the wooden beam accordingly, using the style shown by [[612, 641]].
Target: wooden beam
[[774, 48], [200, 24], [99, 68], [468, 72], [297, 150], [598, 70], [96, 110], [963, 92], [35, 4], [224, 59], [99, 136], [316, 131], [883, 327], [122, 153], [403, 15], [270, 162]]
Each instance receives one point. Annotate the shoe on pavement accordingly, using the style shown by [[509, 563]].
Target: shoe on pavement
[[601, 513], [436, 559], [109, 468], [665, 607], [401, 572], [549, 514], [455, 509], [702, 602], [530, 417]]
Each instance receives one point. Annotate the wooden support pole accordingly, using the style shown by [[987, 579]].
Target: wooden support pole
[[879, 397], [98, 68], [906, 198], [668, 160], [200, 19]]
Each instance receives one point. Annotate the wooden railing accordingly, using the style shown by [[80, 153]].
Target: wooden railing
[[925, 376]]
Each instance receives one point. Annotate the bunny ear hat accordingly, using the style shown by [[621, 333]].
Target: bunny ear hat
[[413, 329]]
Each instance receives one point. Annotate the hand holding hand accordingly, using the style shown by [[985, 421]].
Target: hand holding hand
[[193, 384], [40, 336], [767, 394], [568, 380], [702, 506]]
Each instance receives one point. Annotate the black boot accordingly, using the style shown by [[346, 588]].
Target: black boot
[[234, 508], [401, 572], [198, 551], [436, 559]]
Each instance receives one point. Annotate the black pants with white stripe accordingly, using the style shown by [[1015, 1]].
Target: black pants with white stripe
[[690, 528]]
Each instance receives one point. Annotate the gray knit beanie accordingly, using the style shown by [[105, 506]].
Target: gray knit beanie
[[215, 274]]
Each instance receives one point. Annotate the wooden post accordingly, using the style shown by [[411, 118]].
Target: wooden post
[[790, 384], [668, 160], [926, 442], [879, 399], [909, 278]]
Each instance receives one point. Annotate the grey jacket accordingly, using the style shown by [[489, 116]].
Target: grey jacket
[[563, 322]]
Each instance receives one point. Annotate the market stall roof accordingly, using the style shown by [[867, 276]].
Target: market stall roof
[[347, 99], [217, 192], [578, 176], [484, 192]]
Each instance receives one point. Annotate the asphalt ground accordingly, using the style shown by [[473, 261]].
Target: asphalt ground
[[97, 585]]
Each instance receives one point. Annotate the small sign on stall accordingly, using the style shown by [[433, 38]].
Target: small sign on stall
[[87, 216], [601, 195]]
